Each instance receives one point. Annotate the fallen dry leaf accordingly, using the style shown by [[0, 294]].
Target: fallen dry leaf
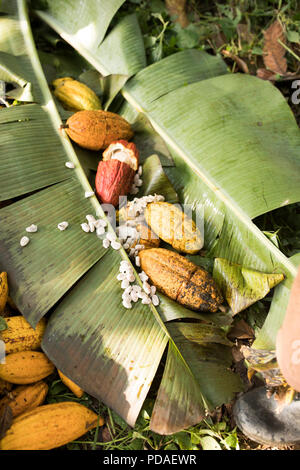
[[241, 330], [274, 52], [177, 8], [265, 74]]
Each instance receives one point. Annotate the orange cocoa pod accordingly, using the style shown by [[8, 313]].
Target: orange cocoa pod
[[95, 130], [181, 280], [78, 392]]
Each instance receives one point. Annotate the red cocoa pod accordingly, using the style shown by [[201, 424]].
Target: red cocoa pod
[[113, 179]]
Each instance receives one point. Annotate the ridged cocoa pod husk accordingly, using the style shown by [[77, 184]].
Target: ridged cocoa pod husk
[[3, 290], [49, 426], [25, 397], [174, 227], [25, 367], [113, 180], [20, 336], [181, 280], [74, 95], [78, 392], [96, 130]]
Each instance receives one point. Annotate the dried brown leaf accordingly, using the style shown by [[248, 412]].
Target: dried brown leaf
[[274, 52], [265, 74], [6, 419], [241, 330]]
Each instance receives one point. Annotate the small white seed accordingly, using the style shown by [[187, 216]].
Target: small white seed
[[32, 228], [100, 223], [111, 236], [153, 290], [137, 261], [70, 165], [143, 276], [125, 284], [62, 226], [140, 172], [85, 227], [131, 277], [91, 219], [106, 243], [100, 231], [155, 300], [115, 245], [146, 287], [127, 304], [137, 289], [128, 291], [134, 296], [88, 194], [24, 241]]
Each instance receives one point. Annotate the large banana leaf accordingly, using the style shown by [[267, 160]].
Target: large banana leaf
[[86, 22], [109, 351]]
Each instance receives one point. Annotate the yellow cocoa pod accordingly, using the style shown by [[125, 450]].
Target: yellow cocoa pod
[[25, 397], [78, 392], [147, 238], [74, 95], [5, 387], [96, 130], [181, 280], [49, 426], [20, 336], [174, 227], [25, 367], [3, 290]]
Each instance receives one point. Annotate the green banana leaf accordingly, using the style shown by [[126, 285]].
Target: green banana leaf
[[111, 352], [122, 52], [241, 286]]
